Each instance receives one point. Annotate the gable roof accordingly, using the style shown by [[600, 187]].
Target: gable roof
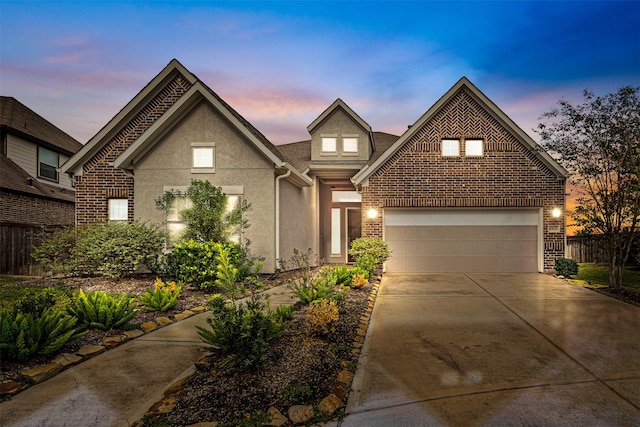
[[28, 124], [338, 103], [196, 93], [488, 105], [16, 180]]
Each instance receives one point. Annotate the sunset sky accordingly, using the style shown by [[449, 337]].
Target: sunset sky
[[280, 64]]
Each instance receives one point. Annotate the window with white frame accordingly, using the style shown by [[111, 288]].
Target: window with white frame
[[47, 164], [203, 157], [329, 144], [118, 210], [350, 145], [473, 147], [450, 147]]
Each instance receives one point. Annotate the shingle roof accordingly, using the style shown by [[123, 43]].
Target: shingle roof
[[25, 122], [15, 179], [299, 153]]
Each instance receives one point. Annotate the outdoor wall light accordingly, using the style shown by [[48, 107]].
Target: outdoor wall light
[[556, 212], [372, 213]]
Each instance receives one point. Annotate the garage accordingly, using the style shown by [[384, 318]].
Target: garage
[[472, 240]]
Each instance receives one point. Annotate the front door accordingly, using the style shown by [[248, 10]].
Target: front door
[[340, 222]]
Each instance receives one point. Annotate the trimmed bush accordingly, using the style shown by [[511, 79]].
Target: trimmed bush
[[112, 250], [322, 317], [566, 267], [369, 252]]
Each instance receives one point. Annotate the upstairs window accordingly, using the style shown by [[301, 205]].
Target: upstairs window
[[47, 164], [329, 144], [473, 147], [203, 157], [350, 145], [450, 147]]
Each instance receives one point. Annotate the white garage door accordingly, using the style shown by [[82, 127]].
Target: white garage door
[[462, 240]]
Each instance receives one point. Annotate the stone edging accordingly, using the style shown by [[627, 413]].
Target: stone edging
[[297, 414], [63, 361]]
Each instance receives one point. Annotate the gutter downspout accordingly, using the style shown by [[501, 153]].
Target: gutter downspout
[[278, 178]]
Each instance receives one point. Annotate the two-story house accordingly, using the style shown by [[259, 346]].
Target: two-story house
[[463, 189], [33, 193]]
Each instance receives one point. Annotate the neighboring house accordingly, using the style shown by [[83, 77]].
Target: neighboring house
[[33, 194], [463, 189]]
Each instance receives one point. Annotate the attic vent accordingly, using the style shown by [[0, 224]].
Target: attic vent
[[30, 182]]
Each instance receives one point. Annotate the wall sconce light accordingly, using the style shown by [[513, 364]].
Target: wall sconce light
[[372, 213], [556, 212]]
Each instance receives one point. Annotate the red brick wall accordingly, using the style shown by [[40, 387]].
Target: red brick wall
[[100, 181], [22, 209], [507, 175]]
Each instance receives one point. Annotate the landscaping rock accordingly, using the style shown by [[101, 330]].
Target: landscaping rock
[[112, 342], [148, 327], [184, 315], [133, 334], [277, 419], [345, 377], [163, 321], [90, 350], [11, 387], [204, 363], [330, 404], [205, 424], [166, 404], [67, 359], [199, 309], [42, 373], [340, 390], [300, 414]]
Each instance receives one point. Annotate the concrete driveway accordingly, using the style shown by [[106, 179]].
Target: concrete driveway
[[496, 349]]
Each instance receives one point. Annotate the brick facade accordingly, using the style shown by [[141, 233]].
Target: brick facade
[[508, 175], [100, 181], [26, 209]]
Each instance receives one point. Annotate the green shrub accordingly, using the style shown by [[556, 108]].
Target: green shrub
[[227, 274], [283, 312], [341, 275], [163, 297], [23, 335], [242, 331], [102, 249], [54, 250], [357, 271], [102, 310], [566, 267], [196, 262], [370, 246]]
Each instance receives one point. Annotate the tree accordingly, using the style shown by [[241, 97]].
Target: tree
[[598, 142], [207, 218]]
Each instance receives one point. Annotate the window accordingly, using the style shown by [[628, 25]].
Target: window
[[473, 147], [203, 157], [350, 145], [336, 247], [118, 210], [47, 164], [233, 202], [329, 144], [346, 197], [450, 147]]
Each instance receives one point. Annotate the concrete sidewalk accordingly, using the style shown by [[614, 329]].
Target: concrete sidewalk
[[496, 349], [116, 388]]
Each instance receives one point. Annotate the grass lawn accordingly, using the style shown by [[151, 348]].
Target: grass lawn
[[599, 274]]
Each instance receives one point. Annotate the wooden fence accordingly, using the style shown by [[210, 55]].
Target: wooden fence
[[586, 249], [16, 245]]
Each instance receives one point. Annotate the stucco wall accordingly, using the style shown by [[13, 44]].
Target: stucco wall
[[297, 222], [339, 124], [507, 175], [237, 164]]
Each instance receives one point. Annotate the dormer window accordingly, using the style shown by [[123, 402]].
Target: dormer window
[[329, 144], [350, 145]]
